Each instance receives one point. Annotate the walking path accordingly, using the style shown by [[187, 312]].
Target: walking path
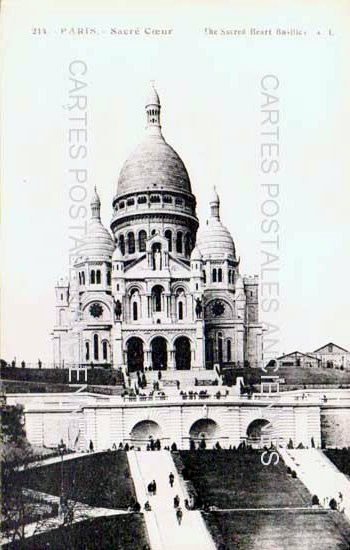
[[320, 476], [163, 529]]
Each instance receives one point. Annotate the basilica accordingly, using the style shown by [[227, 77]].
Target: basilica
[[157, 292]]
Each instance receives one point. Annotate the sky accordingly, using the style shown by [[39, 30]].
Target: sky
[[214, 90]]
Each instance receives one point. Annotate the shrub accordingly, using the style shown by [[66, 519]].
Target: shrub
[[333, 504], [294, 474], [315, 500], [202, 444], [289, 471], [192, 445], [290, 444], [174, 447]]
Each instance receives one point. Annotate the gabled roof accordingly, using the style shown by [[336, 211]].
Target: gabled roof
[[330, 344], [294, 353]]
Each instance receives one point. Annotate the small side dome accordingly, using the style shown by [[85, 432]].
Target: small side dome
[[98, 243], [117, 255], [215, 240], [196, 254]]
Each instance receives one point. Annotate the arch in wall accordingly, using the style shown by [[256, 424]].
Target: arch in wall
[[259, 432], [144, 431], [204, 428], [142, 237], [169, 237], [134, 352], [131, 243], [182, 347], [157, 298], [159, 351]]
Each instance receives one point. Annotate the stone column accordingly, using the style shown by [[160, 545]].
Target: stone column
[[118, 355], [240, 345], [147, 357], [199, 361], [171, 359]]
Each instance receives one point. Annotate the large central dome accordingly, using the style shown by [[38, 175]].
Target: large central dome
[[154, 195], [153, 165]]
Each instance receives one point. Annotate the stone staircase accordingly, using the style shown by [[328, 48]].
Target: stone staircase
[[320, 476], [163, 530]]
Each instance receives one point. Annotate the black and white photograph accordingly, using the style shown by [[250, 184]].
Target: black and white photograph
[[175, 346]]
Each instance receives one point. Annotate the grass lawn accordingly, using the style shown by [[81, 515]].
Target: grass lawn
[[293, 375], [280, 530], [127, 532], [101, 480], [341, 459], [232, 479]]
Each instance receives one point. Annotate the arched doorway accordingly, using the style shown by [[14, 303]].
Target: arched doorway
[[135, 354], [205, 429], [159, 353], [182, 353], [259, 433], [143, 432]]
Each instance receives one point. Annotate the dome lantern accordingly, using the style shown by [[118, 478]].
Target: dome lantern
[[214, 205], [95, 204], [153, 111]]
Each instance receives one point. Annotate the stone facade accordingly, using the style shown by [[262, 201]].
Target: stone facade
[[155, 294]]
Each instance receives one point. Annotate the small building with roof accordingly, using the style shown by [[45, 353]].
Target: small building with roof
[[298, 359], [331, 355]]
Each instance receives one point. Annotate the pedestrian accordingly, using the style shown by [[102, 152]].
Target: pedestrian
[[150, 488], [147, 507], [171, 479], [91, 446], [187, 505], [176, 501], [154, 487], [179, 516]]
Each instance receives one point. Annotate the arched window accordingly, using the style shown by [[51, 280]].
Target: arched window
[[169, 237], [179, 242], [228, 350], [92, 277], [134, 311], [142, 240], [131, 243], [87, 351], [180, 311], [229, 276], [214, 276], [122, 244], [157, 292], [105, 350], [83, 278], [108, 278], [204, 277], [188, 242], [220, 347], [98, 277], [95, 347], [79, 280], [220, 275]]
